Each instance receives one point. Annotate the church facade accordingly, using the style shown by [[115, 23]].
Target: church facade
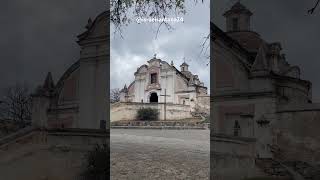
[[178, 95], [161, 82], [262, 112]]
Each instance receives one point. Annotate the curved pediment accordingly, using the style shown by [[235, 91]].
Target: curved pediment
[[142, 69], [97, 29]]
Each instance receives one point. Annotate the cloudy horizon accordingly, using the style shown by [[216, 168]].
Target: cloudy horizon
[[42, 38], [140, 42]]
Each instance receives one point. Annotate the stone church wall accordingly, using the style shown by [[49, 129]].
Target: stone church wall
[[203, 104], [128, 111], [297, 134], [233, 157]]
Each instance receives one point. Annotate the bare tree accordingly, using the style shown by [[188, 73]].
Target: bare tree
[[205, 48], [16, 104], [123, 12], [115, 95]]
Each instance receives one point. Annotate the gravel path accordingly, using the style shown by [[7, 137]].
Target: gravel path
[[159, 154]]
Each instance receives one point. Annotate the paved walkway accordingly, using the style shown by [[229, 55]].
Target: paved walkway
[[139, 154]]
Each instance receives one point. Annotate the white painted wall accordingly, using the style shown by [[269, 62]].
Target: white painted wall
[[128, 111]]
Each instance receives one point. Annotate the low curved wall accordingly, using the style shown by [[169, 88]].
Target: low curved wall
[[128, 111], [297, 133], [232, 158]]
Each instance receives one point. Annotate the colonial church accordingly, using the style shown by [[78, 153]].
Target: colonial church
[[262, 110], [176, 94], [161, 82]]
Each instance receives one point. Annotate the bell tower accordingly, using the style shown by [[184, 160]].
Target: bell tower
[[238, 18]]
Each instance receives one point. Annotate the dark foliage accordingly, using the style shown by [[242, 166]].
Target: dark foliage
[[97, 163], [147, 114]]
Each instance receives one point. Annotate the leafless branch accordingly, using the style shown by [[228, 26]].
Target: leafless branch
[[114, 95], [311, 11], [123, 12], [205, 46]]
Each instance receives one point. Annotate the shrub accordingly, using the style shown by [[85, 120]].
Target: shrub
[[147, 114], [97, 165]]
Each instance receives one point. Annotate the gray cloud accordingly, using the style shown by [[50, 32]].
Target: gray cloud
[[288, 22], [140, 43], [38, 36]]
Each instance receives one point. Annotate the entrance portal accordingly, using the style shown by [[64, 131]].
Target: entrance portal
[[153, 98]]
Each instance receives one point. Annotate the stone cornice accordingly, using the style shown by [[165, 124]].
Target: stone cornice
[[243, 95], [228, 138], [102, 17]]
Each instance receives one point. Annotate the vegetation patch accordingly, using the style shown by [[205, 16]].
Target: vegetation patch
[[97, 165], [147, 114]]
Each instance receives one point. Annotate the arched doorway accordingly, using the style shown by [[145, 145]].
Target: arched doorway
[[153, 97]]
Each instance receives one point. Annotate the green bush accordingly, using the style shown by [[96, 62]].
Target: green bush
[[147, 114]]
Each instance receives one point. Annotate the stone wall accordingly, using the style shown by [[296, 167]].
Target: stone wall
[[203, 102], [128, 111], [232, 158], [32, 154], [297, 133]]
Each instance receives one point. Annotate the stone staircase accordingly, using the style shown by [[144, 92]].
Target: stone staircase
[[273, 169], [295, 170], [307, 171]]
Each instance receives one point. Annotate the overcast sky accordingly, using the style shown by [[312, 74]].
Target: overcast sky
[[288, 22], [38, 36], [139, 44]]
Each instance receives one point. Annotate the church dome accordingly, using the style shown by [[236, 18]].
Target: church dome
[[249, 40]]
